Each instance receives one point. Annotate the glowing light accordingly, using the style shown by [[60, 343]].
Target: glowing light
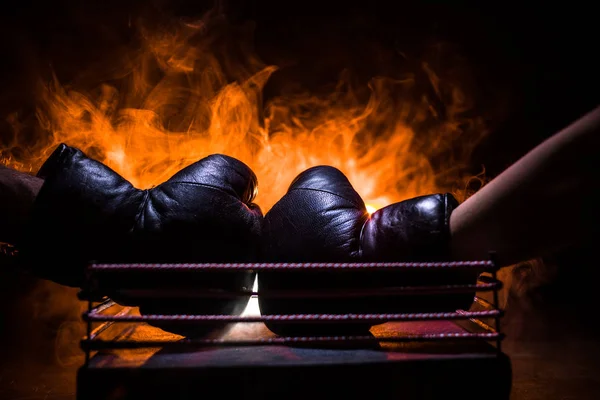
[[370, 208]]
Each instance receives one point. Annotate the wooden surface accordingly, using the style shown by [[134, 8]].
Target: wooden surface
[[412, 370], [283, 355]]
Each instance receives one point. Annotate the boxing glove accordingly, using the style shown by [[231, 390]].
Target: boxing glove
[[204, 213], [322, 218]]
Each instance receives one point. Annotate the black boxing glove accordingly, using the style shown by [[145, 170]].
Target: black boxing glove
[[322, 219], [204, 213], [319, 219], [416, 229]]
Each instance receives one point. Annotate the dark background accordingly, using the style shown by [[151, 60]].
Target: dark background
[[535, 70]]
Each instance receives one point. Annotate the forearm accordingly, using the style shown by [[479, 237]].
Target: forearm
[[540, 204], [17, 194]]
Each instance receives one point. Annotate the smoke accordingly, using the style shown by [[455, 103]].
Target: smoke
[[550, 298], [41, 328], [175, 92]]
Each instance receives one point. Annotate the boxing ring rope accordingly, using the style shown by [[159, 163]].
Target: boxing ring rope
[[378, 266], [491, 333]]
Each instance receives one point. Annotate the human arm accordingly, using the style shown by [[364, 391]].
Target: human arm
[[542, 203], [18, 191]]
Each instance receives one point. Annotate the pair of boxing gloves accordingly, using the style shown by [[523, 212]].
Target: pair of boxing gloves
[[205, 213]]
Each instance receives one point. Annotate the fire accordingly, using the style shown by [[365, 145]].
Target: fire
[[185, 95]]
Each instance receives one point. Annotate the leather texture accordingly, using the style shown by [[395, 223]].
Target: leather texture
[[323, 219], [413, 229], [204, 213], [319, 218]]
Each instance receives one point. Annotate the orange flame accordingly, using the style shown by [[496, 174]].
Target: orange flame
[[186, 95]]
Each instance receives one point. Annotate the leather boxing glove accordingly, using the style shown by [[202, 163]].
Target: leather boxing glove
[[323, 219], [204, 213], [416, 229], [319, 219]]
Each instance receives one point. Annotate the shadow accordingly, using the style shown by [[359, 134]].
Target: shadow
[[273, 371]]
